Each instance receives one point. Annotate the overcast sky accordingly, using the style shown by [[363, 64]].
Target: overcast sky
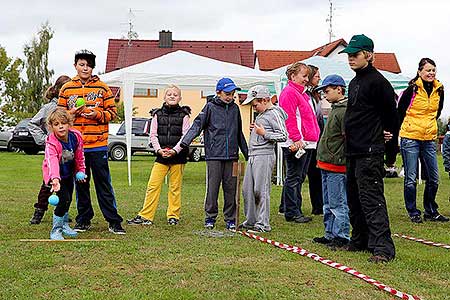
[[411, 29]]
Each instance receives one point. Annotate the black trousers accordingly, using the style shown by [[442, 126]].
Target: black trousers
[[42, 199], [368, 212], [315, 185], [64, 194], [97, 167]]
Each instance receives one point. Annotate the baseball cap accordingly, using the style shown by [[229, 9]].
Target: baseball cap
[[227, 85], [87, 55], [357, 43], [258, 91], [334, 80]]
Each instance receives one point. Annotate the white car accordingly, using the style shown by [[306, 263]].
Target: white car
[[140, 141], [6, 134]]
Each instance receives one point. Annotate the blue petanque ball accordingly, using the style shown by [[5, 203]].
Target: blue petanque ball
[[53, 200], [80, 176]]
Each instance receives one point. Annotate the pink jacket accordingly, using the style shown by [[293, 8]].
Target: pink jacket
[[301, 123], [53, 153]]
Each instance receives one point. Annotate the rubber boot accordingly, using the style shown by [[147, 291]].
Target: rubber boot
[[66, 230], [37, 216], [57, 229]]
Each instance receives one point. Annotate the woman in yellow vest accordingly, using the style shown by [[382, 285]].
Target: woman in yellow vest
[[419, 108]]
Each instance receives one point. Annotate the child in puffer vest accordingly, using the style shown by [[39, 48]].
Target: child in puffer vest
[[169, 124]]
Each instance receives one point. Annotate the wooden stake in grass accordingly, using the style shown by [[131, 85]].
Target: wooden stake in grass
[[238, 170]]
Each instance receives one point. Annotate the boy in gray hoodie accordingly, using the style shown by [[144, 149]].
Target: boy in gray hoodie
[[269, 128]]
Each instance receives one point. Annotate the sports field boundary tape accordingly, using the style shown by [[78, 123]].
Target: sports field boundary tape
[[422, 241], [332, 264], [66, 240]]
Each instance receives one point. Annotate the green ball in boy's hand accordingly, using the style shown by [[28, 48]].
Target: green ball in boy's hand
[[80, 102]]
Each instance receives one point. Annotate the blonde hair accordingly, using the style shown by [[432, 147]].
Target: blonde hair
[[172, 86], [61, 115], [295, 68], [368, 54]]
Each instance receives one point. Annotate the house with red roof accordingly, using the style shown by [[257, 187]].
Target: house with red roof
[[123, 53], [268, 60]]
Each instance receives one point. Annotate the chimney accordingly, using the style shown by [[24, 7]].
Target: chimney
[[165, 39]]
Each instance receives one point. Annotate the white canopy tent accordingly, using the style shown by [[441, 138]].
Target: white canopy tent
[[188, 71]]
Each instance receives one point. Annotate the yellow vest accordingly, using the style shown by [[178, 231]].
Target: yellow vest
[[420, 119]]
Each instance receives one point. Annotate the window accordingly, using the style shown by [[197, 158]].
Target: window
[[143, 92], [206, 93]]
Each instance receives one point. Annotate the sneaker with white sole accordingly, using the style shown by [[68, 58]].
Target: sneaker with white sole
[[138, 220], [82, 227], [210, 223], [231, 225], [116, 228]]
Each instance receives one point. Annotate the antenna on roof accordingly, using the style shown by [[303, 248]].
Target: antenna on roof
[[131, 34], [330, 21]]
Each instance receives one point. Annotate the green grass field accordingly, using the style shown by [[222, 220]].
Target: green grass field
[[162, 262]]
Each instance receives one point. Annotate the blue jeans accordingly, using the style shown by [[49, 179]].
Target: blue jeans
[[335, 208], [412, 151], [296, 169]]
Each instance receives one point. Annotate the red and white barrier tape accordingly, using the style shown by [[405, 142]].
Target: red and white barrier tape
[[330, 263], [429, 243]]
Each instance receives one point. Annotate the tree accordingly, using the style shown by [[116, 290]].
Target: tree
[[10, 87], [121, 112], [38, 74]]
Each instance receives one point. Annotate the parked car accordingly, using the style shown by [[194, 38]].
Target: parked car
[[23, 140], [140, 141], [6, 134]]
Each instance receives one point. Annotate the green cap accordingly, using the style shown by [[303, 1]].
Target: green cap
[[358, 43]]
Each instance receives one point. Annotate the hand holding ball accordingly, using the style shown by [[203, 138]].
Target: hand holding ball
[[80, 176], [53, 200], [80, 102]]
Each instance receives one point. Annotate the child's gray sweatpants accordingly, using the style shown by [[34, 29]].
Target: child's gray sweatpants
[[256, 190]]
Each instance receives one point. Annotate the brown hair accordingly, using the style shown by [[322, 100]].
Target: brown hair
[[295, 68], [422, 64], [59, 114], [53, 91], [312, 71]]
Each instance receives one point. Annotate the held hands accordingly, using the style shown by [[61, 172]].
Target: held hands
[[296, 145], [167, 152], [56, 186], [252, 125], [260, 130], [88, 113], [387, 135]]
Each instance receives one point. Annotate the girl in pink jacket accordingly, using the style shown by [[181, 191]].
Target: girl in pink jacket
[[303, 134], [63, 159]]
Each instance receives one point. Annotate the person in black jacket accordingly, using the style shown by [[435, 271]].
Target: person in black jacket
[[370, 119], [220, 120]]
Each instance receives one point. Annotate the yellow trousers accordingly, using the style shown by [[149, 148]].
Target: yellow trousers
[[159, 172]]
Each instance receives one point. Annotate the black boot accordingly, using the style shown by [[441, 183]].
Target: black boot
[[37, 216]]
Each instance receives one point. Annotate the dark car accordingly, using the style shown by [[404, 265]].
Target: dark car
[[140, 141], [23, 140]]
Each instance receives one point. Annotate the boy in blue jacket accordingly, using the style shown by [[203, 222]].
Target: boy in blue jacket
[[221, 122]]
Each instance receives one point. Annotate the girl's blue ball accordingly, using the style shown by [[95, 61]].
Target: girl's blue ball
[[53, 200]]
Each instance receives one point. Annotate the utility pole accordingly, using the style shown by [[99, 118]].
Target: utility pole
[[330, 21]]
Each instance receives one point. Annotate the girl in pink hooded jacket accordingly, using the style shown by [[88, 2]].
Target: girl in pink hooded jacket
[[63, 159], [303, 134]]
